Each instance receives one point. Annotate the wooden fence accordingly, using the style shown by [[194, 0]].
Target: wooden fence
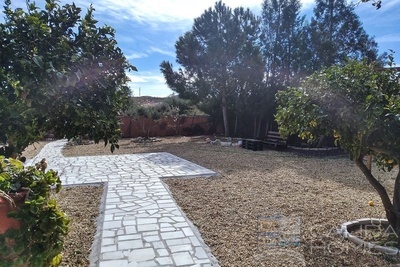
[[167, 126]]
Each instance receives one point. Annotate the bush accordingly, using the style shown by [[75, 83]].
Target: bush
[[43, 226]]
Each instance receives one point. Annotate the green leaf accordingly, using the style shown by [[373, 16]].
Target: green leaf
[[38, 61]]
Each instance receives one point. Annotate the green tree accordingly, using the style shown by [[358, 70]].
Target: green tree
[[59, 72], [375, 3], [247, 101], [212, 55], [177, 111], [148, 117], [337, 34], [358, 103], [284, 48], [282, 42]]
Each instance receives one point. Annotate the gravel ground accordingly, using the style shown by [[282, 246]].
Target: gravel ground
[[312, 192]]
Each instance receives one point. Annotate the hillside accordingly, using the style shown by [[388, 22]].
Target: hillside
[[148, 100]]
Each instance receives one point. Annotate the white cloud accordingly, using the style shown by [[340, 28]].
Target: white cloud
[[306, 4], [389, 38], [162, 51], [175, 14], [389, 4], [151, 89], [136, 55], [162, 15], [149, 51], [149, 83], [169, 14], [144, 77]]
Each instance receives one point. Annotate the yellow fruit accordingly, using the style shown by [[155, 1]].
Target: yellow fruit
[[336, 134], [371, 203]]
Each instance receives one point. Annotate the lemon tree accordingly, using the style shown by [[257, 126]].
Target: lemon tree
[[359, 104], [59, 72]]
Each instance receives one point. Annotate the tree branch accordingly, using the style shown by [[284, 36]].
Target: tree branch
[[396, 193], [391, 212], [388, 152]]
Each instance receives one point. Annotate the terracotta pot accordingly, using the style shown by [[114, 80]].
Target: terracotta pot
[[9, 203], [7, 223]]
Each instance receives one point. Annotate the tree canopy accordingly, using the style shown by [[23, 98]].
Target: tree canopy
[[233, 62], [375, 3], [337, 34], [219, 57], [283, 36], [59, 72], [359, 104]]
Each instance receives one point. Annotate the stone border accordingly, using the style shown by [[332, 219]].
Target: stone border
[[95, 249], [211, 257], [344, 231], [313, 148]]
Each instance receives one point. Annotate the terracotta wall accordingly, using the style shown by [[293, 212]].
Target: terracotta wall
[[167, 126]]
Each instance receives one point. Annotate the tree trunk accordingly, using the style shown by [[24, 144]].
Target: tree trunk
[[236, 124], [396, 205], [321, 140], [225, 114], [392, 214], [396, 194], [259, 126], [266, 129]]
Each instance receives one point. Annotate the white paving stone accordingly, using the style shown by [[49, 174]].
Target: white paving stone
[[162, 252], [172, 235], [147, 221], [129, 237], [130, 244], [164, 261], [142, 225], [182, 259], [200, 253], [148, 227], [115, 255], [181, 248], [114, 263], [179, 241], [139, 255], [111, 248]]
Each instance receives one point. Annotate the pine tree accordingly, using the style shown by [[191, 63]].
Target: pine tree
[[282, 42], [337, 34], [218, 55]]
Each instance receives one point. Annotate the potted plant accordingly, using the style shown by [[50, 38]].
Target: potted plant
[[33, 228]]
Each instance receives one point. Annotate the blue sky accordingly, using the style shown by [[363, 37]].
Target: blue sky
[[146, 30]]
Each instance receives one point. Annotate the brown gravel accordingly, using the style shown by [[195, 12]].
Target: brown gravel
[[81, 204], [323, 190]]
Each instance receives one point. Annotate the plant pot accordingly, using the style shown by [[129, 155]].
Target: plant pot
[[348, 227], [10, 202], [6, 206], [5, 222]]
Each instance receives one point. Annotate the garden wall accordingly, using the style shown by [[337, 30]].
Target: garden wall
[[167, 126]]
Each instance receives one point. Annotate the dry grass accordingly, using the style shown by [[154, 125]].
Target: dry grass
[[322, 190], [32, 150]]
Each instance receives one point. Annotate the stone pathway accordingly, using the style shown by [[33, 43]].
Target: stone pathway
[[141, 225]]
